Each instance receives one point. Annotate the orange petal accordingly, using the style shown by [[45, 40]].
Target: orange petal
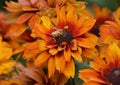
[[61, 17], [46, 22], [114, 29], [112, 54], [60, 62], [92, 83], [53, 51], [42, 58], [98, 64], [19, 50], [37, 29], [91, 74], [73, 44], [34, 20], [70, 69], [16, 30], [24, 17], [90, 53], [79, 23], [67, 54], [13, 6], [71, 22], [51, 66], [85, 27], [6, 66], [29, 8], [77, 55], [13, 9], [88, 41], [105, 31]]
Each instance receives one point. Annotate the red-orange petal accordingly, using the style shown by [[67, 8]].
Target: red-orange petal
[[85, 27]]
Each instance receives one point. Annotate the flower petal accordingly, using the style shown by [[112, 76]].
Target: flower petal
[[88, 40], [60, 62], [98, 64], [16, 30], [24, 17], [91, 75], [85, 27], [67, 54], [112, 54], [51, 66], [77, 55], [41, 59], [70, 69], [61, 22]]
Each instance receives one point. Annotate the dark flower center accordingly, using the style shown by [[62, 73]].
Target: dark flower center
[[114, 76], [62, 35]]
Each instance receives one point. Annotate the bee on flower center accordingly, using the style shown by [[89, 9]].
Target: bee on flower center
[[62, 35]]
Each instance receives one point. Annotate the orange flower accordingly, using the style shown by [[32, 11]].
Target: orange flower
[[23, 10], [101, 14], [103, 71], [64, 40], [6, 65], [111, 28], [36, 76], [109, 33], [10, 82]]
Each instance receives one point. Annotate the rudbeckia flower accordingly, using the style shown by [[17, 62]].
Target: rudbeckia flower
[[101, 15], [103, 71], [22, 11], [10, 82], [6, 65], [64, 39], [37, 76], [111, 28]]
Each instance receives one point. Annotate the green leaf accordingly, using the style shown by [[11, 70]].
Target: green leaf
[[79, 66]]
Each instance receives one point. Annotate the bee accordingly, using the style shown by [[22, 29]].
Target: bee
[[57, 33]]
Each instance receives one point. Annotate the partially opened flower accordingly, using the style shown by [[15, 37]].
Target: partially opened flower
[[37, 76], [6, 65], [103, 71], [63, 40]]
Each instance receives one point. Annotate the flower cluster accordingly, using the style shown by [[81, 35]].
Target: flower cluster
[[42, 41]]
